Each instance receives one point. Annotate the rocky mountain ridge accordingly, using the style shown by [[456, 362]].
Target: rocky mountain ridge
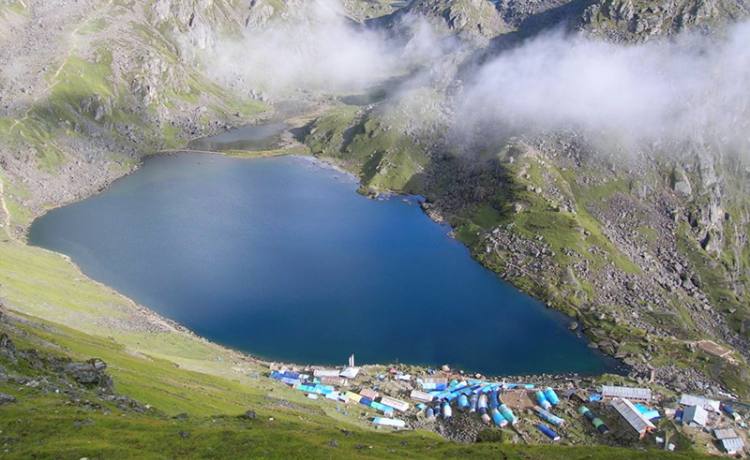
[[634, 20]]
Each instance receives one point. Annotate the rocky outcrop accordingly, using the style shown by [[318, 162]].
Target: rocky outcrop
[[639, 20], [473, 19], [83, 384], [681, 182], [260, 12], [90, 373], [6, 399], [515, 12]]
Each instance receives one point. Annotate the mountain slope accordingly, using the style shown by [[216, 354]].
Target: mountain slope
[[97, 84], [648, 257], [645, 248], [632, 20]]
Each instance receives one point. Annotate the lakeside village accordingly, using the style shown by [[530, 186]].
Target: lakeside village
[[568, 410]]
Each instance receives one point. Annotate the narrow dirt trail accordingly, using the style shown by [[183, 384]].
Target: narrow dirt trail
[[6, 212]]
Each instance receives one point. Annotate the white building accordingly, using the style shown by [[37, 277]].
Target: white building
[[325, 373], [726, 433], [695, 416], [350, 372], [397, 404], [631, 393], [733, 446], [708, 404], [421, 396]]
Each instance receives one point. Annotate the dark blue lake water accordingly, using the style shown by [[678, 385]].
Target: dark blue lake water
[[280, 257]]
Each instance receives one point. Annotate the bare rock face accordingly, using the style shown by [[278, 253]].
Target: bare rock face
[[515, 12], [187, 14], [706, 200], [471, 18], [259, 13], [197, 21], [637, 20], [681, 183]]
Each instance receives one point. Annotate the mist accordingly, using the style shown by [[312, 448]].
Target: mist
[[689, 88], [692, 88], [318, 49]]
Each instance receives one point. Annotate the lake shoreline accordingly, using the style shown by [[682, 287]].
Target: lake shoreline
[[163, 321]]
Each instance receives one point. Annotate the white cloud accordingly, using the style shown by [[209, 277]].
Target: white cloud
[[694, 88], [317, 48]]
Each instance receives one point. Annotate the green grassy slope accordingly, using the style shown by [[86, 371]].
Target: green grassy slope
[[174, 373], [34, 433], [381, 154]]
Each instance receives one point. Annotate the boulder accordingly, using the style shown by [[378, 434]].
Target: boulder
[[5, 399], [681, 183], [90, 373]]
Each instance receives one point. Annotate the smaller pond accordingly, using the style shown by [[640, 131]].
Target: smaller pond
[[258, 137]]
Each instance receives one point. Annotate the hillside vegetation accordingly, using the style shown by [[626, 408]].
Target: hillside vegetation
[[647, 258]]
